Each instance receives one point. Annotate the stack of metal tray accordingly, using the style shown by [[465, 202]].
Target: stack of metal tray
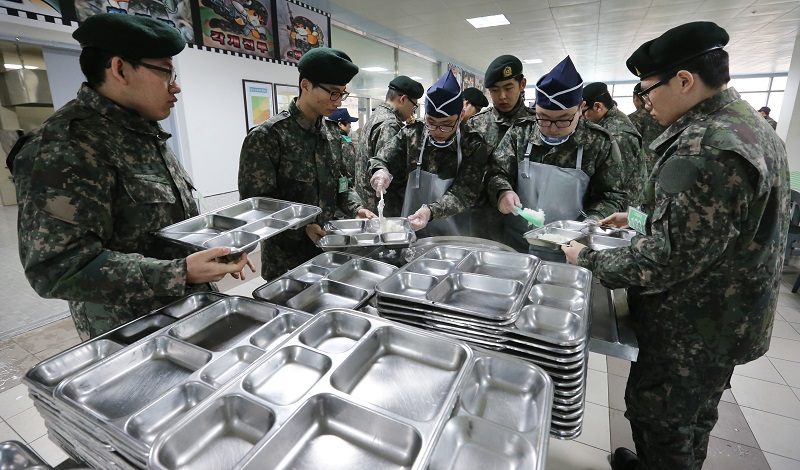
[[239, 226], [329, 280], [17, 456], [361, 233], [105, 401], [594, 236]]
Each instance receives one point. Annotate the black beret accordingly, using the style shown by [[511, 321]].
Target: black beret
[[676, 46], [764, 109], [593, 91], [326, 65], [502, 68], [130, 36], [637, 88], [407, 86], [476, 97]]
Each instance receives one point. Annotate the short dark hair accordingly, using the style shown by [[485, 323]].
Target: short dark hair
[[605, 98], [392, 94], [712, 68], [94, 63]]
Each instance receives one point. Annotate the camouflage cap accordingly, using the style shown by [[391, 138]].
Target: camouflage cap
[[502, 68], [327, 65], [407, 86], [476, 97], [676, 46], [130, 36]]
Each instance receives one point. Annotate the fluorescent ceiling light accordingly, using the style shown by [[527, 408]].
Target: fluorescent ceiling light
[[415, 78], [374, 69], [487, 21], [532, 61], [17, 67]]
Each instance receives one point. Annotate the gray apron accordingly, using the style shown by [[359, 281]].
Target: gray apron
[[424, 187], [559, 192]]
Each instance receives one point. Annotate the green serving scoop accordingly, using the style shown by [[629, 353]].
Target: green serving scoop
[[536, 219]]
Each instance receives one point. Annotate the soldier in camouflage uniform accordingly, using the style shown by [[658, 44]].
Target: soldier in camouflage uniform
[[704, 274], [572, 165], [506, 85], [294, 156], [648, 128], [764, 112], [601, 109], [382, 126], [474, 102], [438, 147], [340, 122], [98, 178]]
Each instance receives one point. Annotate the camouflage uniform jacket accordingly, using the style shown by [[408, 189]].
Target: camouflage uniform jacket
[[492, 124], [601, 162], [380, 129], [649, 129], [703, 284], [349, 154], [93, 183], [400, 158], [290, 158], [773, 123], [630, 148]]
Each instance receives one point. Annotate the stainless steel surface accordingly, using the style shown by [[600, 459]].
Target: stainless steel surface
[[140, 328], [599, 242], [277, 331], [564, 275], [534, 236], [230, 365], [612, 329], [362, 273], [238, 241], [424, 244], [52, 371], [146, 424], [492, 297], [350, 233], [190, 304], [328, 294], [17, 456], [560, 297], [573, 225], [468, 443], [287, 376], [498, 265]]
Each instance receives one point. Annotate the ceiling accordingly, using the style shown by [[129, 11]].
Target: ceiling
[[599, 35]]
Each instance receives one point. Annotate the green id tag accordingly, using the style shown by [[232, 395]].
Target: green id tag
[[637, 220], [342, 184]]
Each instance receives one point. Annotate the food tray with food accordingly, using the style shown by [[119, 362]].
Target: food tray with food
[[351, 233]]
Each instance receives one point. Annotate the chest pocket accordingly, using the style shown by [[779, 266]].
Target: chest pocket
[[298, 166], [149, 189]]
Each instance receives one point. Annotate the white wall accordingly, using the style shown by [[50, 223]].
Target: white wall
[[211, 115], [789, 125], [63, 73]]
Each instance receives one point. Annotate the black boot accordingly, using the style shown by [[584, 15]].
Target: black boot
[[624, 459]]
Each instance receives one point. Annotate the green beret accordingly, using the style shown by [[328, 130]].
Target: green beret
[[407, 86], [476, 97], [130, 36], [593, 91], [502, 68], [326, 65], [676, 46]]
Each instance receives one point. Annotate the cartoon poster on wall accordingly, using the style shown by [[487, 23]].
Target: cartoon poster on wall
[[300, 29], [479, 83], [53, 8], [177, 13], [244, 26], [469, 80], [457, 72]]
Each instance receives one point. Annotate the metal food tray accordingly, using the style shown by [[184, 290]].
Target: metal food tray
[[478, 282], [329, 280], [350, 233], [597, 237], [375, 393], [239, 226], [127, 398], [17, 456]]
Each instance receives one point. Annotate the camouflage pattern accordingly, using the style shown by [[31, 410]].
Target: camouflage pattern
[[773, 123], [703, 284], [349, 150], [630, 148], [93, 183], [400, 157], [381, 127], [649, 129], [601, 162], [291, 158]]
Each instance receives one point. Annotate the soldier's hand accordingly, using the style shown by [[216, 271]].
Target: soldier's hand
[[572, 251], [365, 214], [315, 232], [507, 202], [241, 274], [419, 220], [203, 266], [380, 181], [617, 219]]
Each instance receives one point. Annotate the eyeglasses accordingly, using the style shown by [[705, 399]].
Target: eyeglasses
[[560, 123], [173, 73], [433, 127], [416, 106], [335, 95], [644, 95]]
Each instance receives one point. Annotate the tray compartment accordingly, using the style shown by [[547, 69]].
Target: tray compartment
[[237, 240], [230, 365], [220, 326], [564, 275], [308, 274], [277, 330], [379, 370], [346, 227], [397, 238], [533, 236], [335, 332], [149, 422], [362, 273], [190, 304], [573, 225], [490, 296], [599, 242], [52, 371], [331, 260], [467, 443], [16, 456], [134, 378], [265, 228], [280, 291], [286, 376], [500, 265], [198, 230], [431, 267], [408, 284], [253, 209], [140, 328], [295, 214], [362, 438], [365, 239], [559, 297], [217, 437], [552, 323], [447, 253], [327, 294]]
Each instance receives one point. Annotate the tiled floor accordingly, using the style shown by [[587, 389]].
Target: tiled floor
[[759, 418]]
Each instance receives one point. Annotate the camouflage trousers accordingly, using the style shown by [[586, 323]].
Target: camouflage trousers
[[286, 251], [672, 408]]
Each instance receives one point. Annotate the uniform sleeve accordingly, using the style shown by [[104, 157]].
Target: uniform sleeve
[[606, 193], [258, 163], [698, 221], [466, 190], [391, 157], [630, 147], [503, 165], [66, 217]]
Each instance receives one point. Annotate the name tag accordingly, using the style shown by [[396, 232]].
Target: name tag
[[637, 220], [343, 184]]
